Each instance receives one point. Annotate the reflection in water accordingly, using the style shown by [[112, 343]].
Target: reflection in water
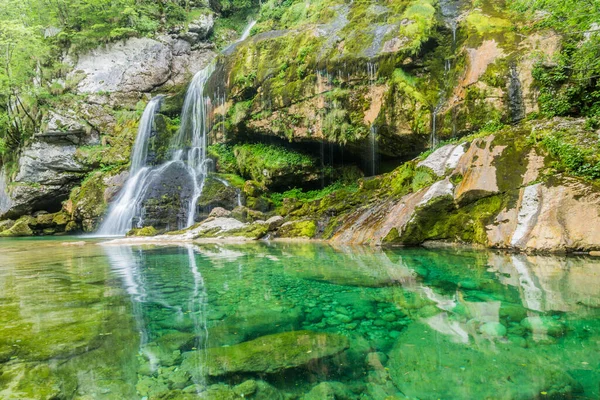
[[187, 303], [217, 321]]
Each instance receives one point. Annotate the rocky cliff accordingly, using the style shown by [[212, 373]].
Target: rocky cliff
[[320, 96]]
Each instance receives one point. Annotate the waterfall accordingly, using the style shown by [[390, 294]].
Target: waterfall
[[5, 200], [190, 146], [193, 133], [122, 212], [434, 135]]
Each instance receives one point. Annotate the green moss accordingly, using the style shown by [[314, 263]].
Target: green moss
[[268, 163], [298, 229], [443, 221], [224, 158], [252, 231], [20, 228], [485, 24], [143, 232]]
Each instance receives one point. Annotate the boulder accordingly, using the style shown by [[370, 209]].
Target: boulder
[[20, 228], [250, 323], [219, 212], [273, 353], [329, 391], [202, 26], [139, 65]]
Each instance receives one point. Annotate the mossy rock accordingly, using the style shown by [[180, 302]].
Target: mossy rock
[[252, 231], [143, 232], [6, 224], [273, 353], [298, 229], [20, 228]]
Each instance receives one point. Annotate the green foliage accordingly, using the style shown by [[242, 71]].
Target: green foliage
[[311, 195], [569, 82], [572, 158], [224, 158]]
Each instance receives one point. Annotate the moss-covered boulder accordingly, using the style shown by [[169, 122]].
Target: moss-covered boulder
[[216, 192], [298, 229], [273, 353], [6, 224], [20, 228], [143, 232]]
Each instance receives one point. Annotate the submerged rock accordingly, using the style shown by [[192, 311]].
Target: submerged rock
[[426, 364], [329, 391], [273, 353]]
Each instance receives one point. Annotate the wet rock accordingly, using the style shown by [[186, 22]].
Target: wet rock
[[220, 392], [167, 198], [274, 222], [246, 388], [251, 323], [219, 212], [272, 353], [20, 228], [544, 325], [202, 26], [478, 170], [297, 229], [329, 391], [444, 159], [493, 329], [6, 224], [216, 194]]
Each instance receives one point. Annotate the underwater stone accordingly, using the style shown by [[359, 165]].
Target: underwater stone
[[329, 391], [543, 325], [272, 353], [251, 323], [493, 329], [246, 388], [426, 364]]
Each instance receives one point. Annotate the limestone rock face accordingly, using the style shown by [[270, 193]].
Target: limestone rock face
[[139, 65], [49, 164], [48, 170], [551, 217], [489, 194]]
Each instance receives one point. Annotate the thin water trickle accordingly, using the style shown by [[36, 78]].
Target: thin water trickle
[[372, 74]]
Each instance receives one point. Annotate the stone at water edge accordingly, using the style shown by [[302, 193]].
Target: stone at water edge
[[272, 353]]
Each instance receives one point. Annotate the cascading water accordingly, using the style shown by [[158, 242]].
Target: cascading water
[[123, 211], [193, 134], [196, 123], [190, 150]]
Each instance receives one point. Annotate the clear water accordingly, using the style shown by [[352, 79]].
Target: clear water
[[294, 321]]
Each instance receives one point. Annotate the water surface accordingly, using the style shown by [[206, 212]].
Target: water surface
[[294, 321]]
